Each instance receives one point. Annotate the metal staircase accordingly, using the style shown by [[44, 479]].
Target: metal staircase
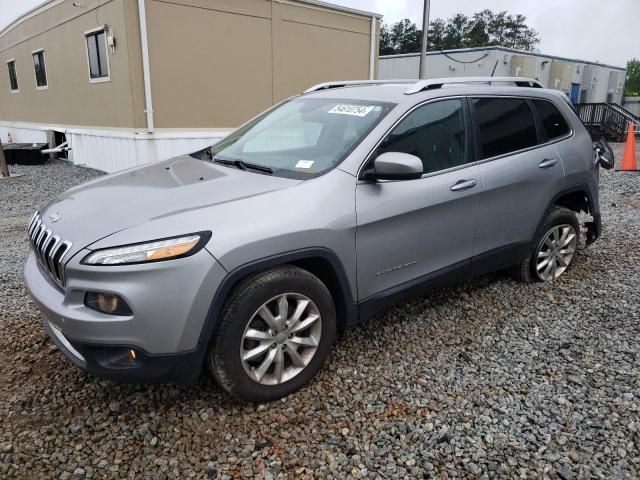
[[608, 120]]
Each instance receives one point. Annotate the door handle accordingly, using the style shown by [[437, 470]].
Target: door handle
[[548, 163], [463, 185]]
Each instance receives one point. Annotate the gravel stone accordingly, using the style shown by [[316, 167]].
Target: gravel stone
[[489, 379]]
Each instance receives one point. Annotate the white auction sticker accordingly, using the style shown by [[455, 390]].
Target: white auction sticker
[[304, 164], [355, 110]]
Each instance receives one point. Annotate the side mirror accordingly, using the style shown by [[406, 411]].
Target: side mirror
[[396, 166], [604, 154]]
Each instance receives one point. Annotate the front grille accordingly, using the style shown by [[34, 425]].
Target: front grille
[[49, 248]]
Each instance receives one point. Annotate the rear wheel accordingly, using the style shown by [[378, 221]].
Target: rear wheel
[[555, 246], [275, 334]]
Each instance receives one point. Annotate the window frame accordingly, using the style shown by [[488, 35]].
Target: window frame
[[15, 74], [542, 140], [44, 65], [85, 37], [470, 146]]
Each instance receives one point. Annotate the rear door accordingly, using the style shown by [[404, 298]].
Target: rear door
[[521, 173], [412, 231]]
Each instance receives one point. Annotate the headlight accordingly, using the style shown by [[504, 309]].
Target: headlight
[[156, 251]]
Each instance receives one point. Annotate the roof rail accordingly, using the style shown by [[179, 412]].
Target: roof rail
[[434, 83], [355, 83]]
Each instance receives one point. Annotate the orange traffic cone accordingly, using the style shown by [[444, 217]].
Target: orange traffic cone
[[629, 159]]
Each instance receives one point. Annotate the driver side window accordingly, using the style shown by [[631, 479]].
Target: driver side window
[[435, 133]]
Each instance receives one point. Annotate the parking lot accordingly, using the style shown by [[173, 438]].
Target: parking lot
[[490, 379]]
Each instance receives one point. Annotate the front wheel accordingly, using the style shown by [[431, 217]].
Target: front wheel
[[276, 332], [554, 248]]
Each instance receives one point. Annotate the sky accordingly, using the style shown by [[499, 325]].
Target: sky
[[596, 30]]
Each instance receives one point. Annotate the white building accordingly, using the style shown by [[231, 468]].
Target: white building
[[583, 81]]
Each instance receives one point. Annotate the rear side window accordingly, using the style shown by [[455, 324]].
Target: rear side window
[[506, 125], [434, 132], [553, 122]]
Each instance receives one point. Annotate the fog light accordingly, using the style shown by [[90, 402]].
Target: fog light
[[107, 303], [124, 358]]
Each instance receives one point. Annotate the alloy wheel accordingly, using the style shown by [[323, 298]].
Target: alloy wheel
[[556, 252], [281, 339]]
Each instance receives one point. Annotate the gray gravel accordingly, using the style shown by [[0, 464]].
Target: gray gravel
[[491, 379]]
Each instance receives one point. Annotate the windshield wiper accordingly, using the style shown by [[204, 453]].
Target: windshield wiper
[[242, 165]]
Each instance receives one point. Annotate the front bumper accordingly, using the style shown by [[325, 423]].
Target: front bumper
[[170, 303], [114, 363]]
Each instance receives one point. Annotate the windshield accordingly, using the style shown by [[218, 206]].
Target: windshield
[[300, 138]]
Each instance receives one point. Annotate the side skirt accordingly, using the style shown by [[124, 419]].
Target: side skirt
[[466, 270]]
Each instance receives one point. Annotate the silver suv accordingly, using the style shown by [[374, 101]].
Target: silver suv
[[250, 255]]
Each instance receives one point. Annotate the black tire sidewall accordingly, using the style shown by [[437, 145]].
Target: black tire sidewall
[[224, 356]]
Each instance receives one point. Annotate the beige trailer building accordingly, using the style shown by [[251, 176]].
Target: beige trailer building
[[126, 82]]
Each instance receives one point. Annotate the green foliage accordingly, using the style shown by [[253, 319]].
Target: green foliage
[[484, 28], [401, 37], [632, 85]]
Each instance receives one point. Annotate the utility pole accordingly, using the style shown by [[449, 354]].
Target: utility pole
[[4, 170], [425, 34]]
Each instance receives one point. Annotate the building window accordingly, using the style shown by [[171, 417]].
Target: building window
[[97, 55], [40, 68], [13, 78]]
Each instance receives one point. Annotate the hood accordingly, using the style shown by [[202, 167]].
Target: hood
[[102, 207]]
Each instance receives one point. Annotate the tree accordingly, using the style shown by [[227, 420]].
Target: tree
[[386, 42], [437, 30], [457, 32], [632, 85], [406, 36], [484, 28]]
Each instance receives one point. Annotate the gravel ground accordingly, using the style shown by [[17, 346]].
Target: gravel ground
[[491, 379]]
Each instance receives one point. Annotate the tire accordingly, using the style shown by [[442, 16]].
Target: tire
[[559, 219], [252, 332]]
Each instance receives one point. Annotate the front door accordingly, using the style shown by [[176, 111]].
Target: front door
[[414, 230]]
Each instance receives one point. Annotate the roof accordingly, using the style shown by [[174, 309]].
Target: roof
[[507, 50], [52, 3]]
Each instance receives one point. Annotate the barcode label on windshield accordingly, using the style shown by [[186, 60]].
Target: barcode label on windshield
[[355, 110]]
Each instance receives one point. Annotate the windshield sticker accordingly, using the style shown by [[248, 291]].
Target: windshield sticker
[[354, 110], [304, 164]]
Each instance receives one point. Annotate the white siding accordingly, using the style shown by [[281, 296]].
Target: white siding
[[111, 151], [114, 152]]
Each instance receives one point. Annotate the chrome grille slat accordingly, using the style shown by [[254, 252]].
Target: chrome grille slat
[[52, 252], [34, 227], [42, 243], [32, 220], [60, 269], [49, 248], [41, 228]]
